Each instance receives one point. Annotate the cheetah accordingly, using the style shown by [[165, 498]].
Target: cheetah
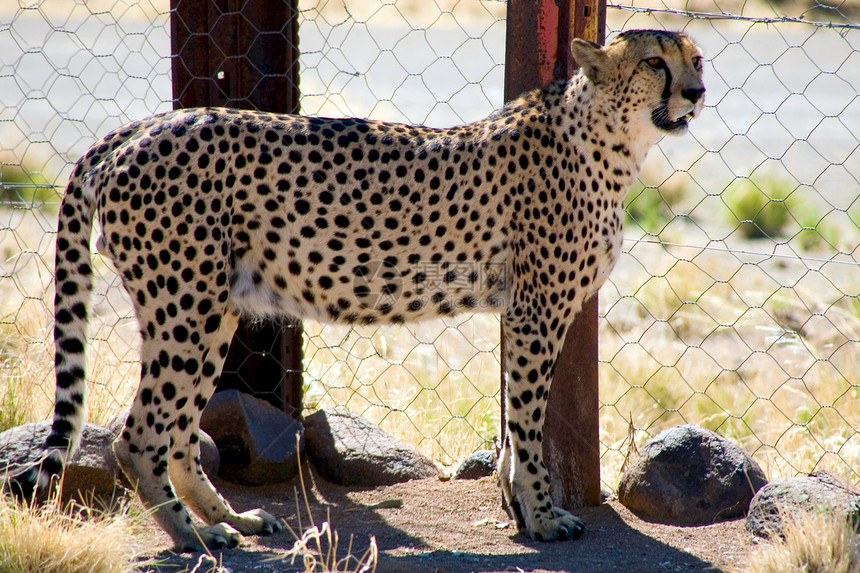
[[209, 214]]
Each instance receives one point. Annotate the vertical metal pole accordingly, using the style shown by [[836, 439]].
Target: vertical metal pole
[[244, 54], [538, 50]]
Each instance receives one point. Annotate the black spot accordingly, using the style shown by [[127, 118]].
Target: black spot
[[180, 333], [213, 323]]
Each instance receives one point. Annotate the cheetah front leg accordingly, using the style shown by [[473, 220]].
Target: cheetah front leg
[[531, 348]]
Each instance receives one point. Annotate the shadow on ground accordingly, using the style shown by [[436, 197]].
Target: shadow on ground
[[429, 526]]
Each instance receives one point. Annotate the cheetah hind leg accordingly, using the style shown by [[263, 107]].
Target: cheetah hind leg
[[146, 473], [187, 475], [197, 492], [152, 454], [192, 489]]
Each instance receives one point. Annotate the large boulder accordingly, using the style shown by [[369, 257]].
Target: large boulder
[[347, 449], [785, 498], [257, 441], [92, 471], [210, 459], [690, 475]]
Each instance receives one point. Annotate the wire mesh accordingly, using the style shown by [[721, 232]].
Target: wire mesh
[[69, 72], [734, 306], [434, 384]]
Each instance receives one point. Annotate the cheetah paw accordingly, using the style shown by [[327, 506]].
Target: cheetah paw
[[561, 526], [218, 536], [257, 522]]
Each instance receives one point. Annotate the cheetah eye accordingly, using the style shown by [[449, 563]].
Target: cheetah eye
[[656, 63], [697, 62]]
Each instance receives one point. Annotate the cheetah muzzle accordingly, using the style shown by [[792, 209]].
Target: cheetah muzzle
[[208, 214]]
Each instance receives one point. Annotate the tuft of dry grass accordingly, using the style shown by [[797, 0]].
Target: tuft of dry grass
[[814, 542], [51, 539], [318, 548], [318, 545]]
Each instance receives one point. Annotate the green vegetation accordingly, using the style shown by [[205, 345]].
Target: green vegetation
[[775, 208], [22, 185], [762, 207], [650, 207], [835, 230], [13, 408], [22, 367], [646, 209]]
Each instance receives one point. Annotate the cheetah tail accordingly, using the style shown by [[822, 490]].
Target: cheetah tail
[[73, 272]]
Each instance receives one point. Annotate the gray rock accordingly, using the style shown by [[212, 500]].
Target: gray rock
[[690, 475], [91, 472], [257, 441], [348, 450], [783, 498], [476, 465], [210, 458]]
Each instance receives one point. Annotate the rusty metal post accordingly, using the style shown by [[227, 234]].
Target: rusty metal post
[[537, 51], [244, 54]]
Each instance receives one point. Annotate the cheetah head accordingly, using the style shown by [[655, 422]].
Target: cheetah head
[[655, 76]]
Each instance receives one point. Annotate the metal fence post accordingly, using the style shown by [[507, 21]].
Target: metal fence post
[[538, 50], [244, 54]]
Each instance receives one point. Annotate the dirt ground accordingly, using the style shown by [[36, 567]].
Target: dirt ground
[[431, 526]]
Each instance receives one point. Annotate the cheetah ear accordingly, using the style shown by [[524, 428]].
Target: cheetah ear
[[590, 57]]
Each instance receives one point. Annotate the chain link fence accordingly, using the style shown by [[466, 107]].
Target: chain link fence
[[735, 305]]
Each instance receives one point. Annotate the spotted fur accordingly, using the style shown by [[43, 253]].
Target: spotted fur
[[211, 213]]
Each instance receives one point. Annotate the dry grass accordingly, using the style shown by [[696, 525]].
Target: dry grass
[[318, 546], [814, 542], [698, 336], [49, 539]]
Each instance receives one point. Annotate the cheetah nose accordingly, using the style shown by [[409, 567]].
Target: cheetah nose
[[693, 94]]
